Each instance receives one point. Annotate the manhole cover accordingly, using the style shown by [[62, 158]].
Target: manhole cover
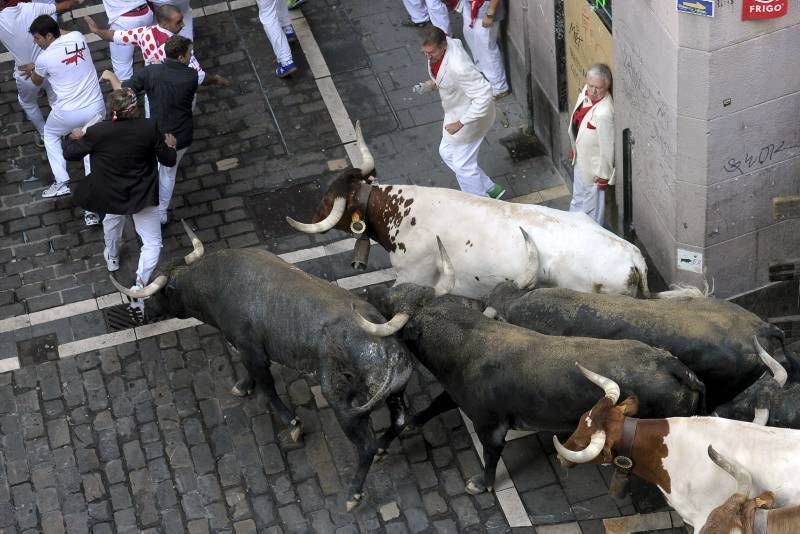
[[522, 146], [38, 350], [119, 317], [268, 211]]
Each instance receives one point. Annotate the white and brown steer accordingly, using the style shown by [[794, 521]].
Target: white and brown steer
[[740, 514], [671, 453], [480, 234]]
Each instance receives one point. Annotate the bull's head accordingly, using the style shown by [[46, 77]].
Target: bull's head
[[408, 298], [497, 301], [599, 429], [737, 514], [160, 304], [759, 394], [343, 207]]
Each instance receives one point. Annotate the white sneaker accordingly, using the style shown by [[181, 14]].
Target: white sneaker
[[91, 218], [56, 190], [163, 218], [112, 262]]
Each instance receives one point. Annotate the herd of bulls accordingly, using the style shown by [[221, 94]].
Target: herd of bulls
[[513, 307]]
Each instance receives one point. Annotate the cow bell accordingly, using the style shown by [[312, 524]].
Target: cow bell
[[618, 487], [357, 226], [360, 253]]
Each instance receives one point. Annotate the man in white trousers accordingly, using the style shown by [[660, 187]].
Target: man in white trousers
[[66, 63], [125, 15], [274, 16], [591, 133], [481, 25], [125, 151], [421, 12], [468, 110], [15, 19]]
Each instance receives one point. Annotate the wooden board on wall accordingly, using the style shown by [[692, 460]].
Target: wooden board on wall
[[588, 41]]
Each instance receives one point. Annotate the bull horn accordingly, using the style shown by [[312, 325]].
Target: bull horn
[[152, 288], [528, 278], [447, 275], [744, 480], [610, 387], [761, 416], [367, 161], [324, 225], [382, 330], [588, 454], [197, 245], [777, 370]]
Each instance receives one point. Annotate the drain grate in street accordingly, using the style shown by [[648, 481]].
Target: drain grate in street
[[119, 317], [38, 350]]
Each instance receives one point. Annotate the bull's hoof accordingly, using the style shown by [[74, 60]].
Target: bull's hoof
[[380, 454], [296, 431], [242, 388], [475, 485], [354, 501]]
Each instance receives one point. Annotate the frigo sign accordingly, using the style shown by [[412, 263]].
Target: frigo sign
[[764, 9]]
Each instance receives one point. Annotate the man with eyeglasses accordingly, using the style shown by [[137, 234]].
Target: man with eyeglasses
[[468, 110]]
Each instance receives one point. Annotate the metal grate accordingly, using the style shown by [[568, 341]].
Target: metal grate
[[119, 317], [38, 350]]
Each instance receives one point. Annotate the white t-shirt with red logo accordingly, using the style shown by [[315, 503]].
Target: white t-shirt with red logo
[[67, 65], [151, 40], [14, 24], [116, 8]]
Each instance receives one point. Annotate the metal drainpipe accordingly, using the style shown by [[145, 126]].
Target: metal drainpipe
[[627, 187]]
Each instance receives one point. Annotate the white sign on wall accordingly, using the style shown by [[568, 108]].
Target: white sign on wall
[[691, 261]]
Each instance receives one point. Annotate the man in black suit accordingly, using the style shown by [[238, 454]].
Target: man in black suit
[[125, 151], [170, 88]]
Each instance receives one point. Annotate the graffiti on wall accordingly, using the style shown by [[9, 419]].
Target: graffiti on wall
[[588, 41], [767, 154]]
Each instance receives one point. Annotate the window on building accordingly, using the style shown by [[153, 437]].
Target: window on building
[[603, 10]]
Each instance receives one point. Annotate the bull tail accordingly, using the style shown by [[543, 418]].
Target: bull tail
[[637, 282], [677, 291]]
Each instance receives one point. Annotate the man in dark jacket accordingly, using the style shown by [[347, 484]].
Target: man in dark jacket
[[125, 152], [170, 88]]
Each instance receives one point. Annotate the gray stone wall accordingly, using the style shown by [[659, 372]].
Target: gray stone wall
[[713, 105]]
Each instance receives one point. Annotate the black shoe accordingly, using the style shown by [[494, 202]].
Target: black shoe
[[408, 23]]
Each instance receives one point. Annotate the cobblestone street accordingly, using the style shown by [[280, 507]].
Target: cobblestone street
[[106, 428]]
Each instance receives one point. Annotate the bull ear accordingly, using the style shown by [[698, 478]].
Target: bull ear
[[629, 406]]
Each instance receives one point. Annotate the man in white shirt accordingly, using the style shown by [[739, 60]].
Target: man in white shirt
[[66, 63], [125, 15], [468, 110], [15, 19]]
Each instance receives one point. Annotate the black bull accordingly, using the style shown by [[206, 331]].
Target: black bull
[[713, 337], [504, 376], [272, 311]]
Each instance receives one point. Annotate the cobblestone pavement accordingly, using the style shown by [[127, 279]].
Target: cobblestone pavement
[[108, 429]]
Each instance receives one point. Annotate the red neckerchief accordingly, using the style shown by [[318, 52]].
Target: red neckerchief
[[475, 7], [580, 113], [435, 66], [12, 3], [160, 36]]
